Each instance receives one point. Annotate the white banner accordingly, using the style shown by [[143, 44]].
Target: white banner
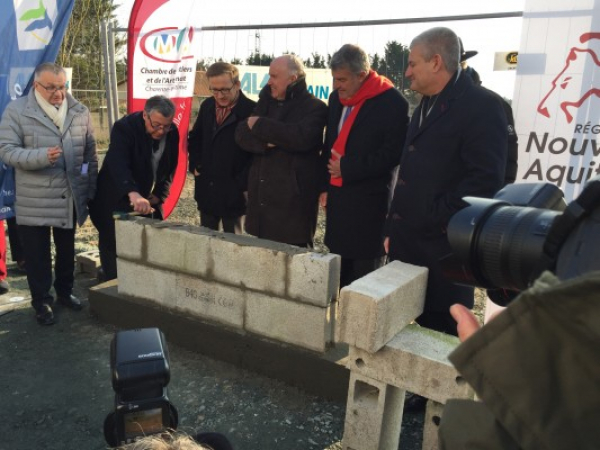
[[557, 90], [254, 78]]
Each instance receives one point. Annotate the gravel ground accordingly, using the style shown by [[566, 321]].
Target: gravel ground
[[56, 391]]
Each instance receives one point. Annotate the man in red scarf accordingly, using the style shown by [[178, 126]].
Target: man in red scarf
[[367, 125]]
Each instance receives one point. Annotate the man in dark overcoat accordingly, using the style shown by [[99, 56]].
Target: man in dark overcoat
[[285, 134], [456, 146], [366, 129], [136, 174], [219, 165]]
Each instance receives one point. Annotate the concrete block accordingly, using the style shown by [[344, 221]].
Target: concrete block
[[211, 301], [141, 281], [314, 278], [373, 415], [88, 262], [130, 239], [303, 325], [417, 361], [176, 248], [373, 309], [245, 264], [431, 425]]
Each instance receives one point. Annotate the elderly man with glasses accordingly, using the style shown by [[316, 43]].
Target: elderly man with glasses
[[47, 137], [136, 174], [219, 165]]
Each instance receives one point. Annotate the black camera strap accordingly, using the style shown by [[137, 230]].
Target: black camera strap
[[564, 224]]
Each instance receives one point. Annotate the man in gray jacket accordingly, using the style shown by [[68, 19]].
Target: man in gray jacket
[[48, 138]]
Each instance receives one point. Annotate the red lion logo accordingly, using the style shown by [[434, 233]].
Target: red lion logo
[[577, 59]]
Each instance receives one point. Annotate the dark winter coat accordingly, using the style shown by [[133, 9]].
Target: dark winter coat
[[222, 164], [459, 150], [284, 180], [127, 167], [357, 210]]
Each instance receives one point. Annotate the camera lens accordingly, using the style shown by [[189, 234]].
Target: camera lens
[[499, 245]]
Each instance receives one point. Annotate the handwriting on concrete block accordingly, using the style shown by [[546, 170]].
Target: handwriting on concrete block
[[208, 297]]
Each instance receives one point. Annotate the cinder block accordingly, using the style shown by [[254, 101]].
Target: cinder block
[[88, 262], [299, 324], [141, 281], [373, 309], [314, 278], [211, 301], [176, 248], [249, 265], [373, 415], [417, 361], [431, 425], [129, 235]]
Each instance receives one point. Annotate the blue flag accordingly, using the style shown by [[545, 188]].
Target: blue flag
[[32, 31]]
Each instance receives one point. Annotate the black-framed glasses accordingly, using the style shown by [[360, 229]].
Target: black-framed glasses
[[223, 91], [52, 89], [159, 126]]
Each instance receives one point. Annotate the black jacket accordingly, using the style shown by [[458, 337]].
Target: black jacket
[[357, 210], [127, 166], [222, 164], [283, 185], [459, 150]]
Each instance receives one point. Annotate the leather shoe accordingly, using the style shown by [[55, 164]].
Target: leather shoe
[[44, 315], [4, 287], [71, 302], [414, 403]]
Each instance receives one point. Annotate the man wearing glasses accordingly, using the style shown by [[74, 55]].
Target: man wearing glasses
[[218, 163], [136, 174], [48, 138]]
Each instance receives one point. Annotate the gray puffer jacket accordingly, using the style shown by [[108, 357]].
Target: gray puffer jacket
[[46, 194]]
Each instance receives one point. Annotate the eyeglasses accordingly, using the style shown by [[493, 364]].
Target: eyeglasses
[[159, 126], [223, 91], [52, 89]]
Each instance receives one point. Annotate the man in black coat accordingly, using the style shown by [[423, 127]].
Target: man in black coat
[[456, 147], [136, 174], [218, 163], [285, 134], [365, 134]]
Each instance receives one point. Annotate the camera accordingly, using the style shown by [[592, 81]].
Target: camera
[[139, 363], [503, 244]]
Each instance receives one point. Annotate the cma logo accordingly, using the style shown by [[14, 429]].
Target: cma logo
[[34, 23], [170, 45], [566, 91]]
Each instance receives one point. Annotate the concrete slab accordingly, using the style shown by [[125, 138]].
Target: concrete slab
[[373, 309]]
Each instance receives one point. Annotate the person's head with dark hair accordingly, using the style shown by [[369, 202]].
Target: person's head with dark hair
[[350, 68], [158, 116]]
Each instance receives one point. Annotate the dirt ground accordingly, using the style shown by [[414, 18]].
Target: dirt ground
[[55, 385]]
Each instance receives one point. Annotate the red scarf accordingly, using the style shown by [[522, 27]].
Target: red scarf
[[374, 85]]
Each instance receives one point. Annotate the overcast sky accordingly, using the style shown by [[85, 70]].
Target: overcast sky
[[486, 36]]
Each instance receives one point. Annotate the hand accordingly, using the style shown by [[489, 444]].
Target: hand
[[140, 204], [154, 200], [386, 245], [466, 322], [196, 173], [53, 154], [335, 169], [252, 120], [323, 200]]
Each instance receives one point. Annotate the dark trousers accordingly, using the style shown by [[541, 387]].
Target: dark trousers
[[439, 321], [353, 269], [230, 224], [36, 247], [14, 238]]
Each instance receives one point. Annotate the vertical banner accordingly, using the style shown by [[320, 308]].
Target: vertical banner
[[161, 53], [557, 93], [32, 31]]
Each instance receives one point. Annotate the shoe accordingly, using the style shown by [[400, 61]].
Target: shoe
[[3, 287], [414, 403], [21, 266], [44, 315], [70, 301]]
